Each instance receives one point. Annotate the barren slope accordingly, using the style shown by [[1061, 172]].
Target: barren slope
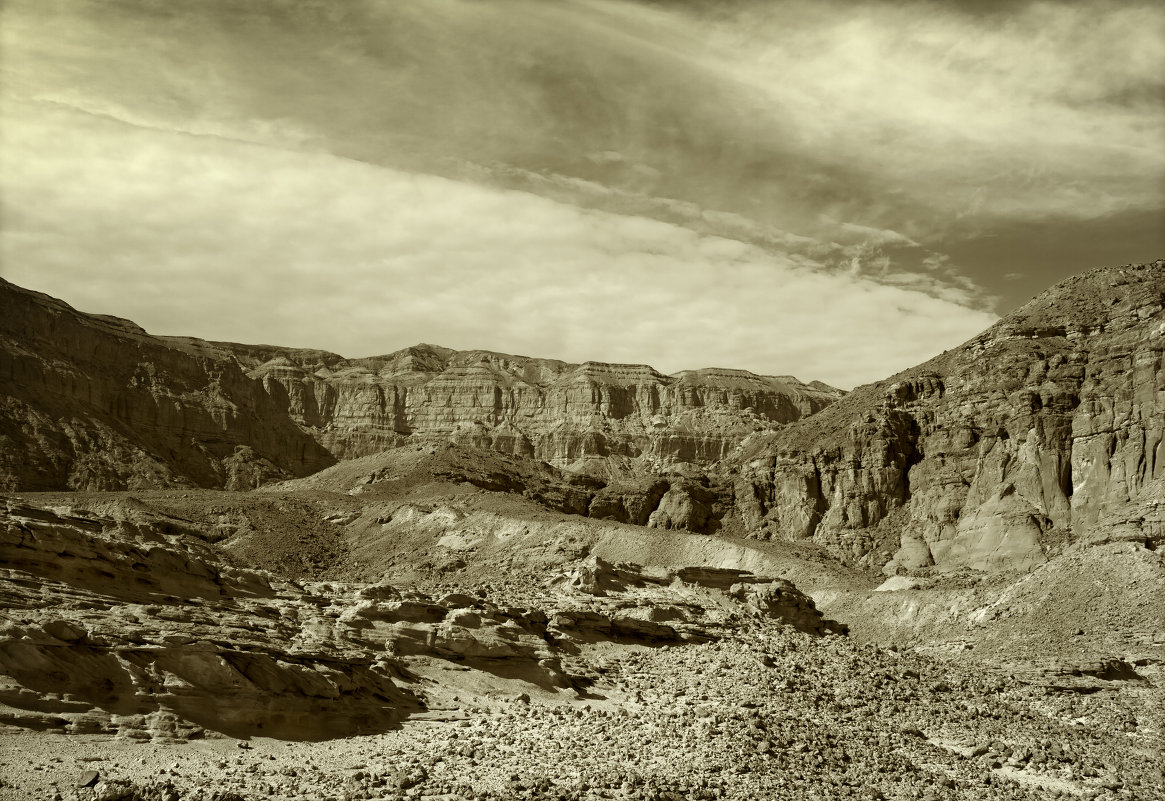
[[1046, 429]]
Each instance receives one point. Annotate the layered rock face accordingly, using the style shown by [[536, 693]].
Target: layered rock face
[[1046, 428], [95, 403], [696, 503], [111, 626], [757, 596], [566, 414], [126, 623]]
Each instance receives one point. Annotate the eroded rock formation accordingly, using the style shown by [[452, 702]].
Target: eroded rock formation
[[656, 602], [112, 624], [564, 414], [90, 402], [1046, 428]]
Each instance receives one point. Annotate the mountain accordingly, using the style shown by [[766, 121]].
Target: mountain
[[1047, 428], [92, 402], [569, 415]]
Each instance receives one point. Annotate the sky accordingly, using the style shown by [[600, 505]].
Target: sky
[[831, 190]]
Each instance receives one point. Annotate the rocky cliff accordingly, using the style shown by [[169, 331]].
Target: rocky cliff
[[1044, 429], [570, 415], [95, 403]]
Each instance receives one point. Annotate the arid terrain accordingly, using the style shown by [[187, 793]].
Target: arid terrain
[[235, 572]]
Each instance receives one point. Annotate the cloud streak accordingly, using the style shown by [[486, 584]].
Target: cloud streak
[[228, 240], [1051, 110], [790, 187]]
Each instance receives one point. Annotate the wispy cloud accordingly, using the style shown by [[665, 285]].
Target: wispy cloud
[[227, 240], [1050, 109], [781, 186]]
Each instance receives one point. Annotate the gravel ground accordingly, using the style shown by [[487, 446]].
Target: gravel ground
[[767, 714]]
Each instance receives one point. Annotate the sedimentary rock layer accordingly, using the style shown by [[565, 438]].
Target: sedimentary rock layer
[[1047, 427], [118, 624], [95, 403], [565, 414]]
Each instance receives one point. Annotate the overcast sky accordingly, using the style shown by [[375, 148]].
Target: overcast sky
[[831, 190]]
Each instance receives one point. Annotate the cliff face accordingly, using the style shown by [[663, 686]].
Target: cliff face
[[95, 403], [566, 414], [1046, 428]]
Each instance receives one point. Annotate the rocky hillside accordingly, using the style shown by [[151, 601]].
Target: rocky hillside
[[151, 635], [446, 620], [1045, 429], [193, 679], [95, 403]]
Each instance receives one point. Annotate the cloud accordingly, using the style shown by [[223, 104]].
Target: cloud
[[830, 189], [205, 236], [1051, 110], [908, 117]]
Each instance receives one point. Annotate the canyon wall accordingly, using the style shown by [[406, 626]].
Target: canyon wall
[[1044, 429], [89, 402], [566, 414]]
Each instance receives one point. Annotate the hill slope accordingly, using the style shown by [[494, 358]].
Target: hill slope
[[94, 402], [1044, 429]]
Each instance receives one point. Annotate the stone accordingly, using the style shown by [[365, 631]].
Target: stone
[[1043, 430], [898, 583], [64, 631]]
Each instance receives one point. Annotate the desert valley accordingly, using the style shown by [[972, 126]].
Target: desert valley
[[244, 571]]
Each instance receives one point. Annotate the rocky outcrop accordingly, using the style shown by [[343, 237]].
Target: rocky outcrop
[[110, 626], [698, 505], [127, 624], [90, 402], [95, 403], [1046, 428], [660, 604], [686, 501]]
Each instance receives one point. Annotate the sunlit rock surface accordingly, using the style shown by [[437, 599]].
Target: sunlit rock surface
[[1046, 428]]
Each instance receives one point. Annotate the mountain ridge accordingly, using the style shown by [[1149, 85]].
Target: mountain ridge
[[1046, 428], [86, 405]]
